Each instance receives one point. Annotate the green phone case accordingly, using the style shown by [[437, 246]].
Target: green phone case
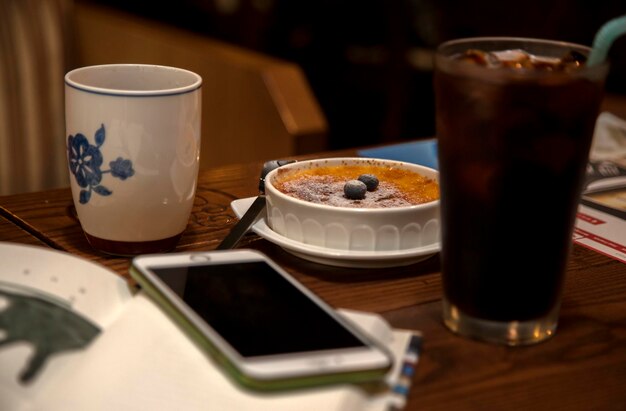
[[260, 385]]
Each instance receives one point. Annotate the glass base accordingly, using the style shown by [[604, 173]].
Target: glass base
[[508, 333]]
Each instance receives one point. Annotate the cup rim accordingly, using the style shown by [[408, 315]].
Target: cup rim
[[442, 60], [512, 39], [190, 80]]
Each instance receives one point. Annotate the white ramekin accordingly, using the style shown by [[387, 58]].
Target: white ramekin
[[354, 229]]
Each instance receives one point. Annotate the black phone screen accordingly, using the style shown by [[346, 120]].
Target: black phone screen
[[256, 309]]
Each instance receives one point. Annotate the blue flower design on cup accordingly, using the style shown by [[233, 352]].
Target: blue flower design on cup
[[85, 160]]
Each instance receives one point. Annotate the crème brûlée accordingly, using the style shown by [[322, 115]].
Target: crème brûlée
[[397, 187]]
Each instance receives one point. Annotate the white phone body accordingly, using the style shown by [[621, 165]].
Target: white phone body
[[266, 328]]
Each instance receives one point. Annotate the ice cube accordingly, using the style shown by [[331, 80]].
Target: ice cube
[[480, 58], [514, 58], [573, 60], [546, 63], [520, 59]]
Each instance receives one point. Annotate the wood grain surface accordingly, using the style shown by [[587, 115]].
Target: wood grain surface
[[583, 367], [12, 233]]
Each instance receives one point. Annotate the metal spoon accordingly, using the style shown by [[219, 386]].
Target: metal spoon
[[250, 217]]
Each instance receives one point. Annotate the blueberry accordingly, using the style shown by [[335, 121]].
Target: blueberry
[[355, 190], [370, 180]]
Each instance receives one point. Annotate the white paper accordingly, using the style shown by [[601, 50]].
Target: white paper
[[601, 219], [141, 360]]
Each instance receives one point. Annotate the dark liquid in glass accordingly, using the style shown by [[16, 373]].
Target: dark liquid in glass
[[512, 158]]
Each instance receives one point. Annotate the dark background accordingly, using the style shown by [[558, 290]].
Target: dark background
[[369, 62]]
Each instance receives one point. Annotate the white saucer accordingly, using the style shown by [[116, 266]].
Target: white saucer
[[87, 287], [342, 258]]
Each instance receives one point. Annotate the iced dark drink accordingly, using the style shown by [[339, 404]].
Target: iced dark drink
[[515, 119]]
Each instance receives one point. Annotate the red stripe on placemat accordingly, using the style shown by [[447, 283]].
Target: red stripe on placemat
[[589, 219], [600, 240]]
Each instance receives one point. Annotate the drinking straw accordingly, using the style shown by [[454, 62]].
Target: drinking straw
[[604, 38]]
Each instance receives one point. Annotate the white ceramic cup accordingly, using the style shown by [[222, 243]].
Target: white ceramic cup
[[133, 148]]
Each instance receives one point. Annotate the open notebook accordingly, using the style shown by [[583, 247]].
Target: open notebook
[[73, 336]]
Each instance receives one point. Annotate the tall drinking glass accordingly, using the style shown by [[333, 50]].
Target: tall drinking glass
[[513, 148]]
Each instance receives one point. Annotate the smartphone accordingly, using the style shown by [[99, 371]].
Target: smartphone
[[265, 328]]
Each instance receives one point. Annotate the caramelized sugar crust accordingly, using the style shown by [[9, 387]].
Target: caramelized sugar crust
[[324, 185]]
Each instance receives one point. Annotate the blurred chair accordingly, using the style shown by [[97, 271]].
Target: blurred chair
[[33, 59], [255, 107]]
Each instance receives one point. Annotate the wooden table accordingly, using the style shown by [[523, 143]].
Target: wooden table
[[582, 367]]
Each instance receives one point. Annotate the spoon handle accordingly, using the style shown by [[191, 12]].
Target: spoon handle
[[244, 224]]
